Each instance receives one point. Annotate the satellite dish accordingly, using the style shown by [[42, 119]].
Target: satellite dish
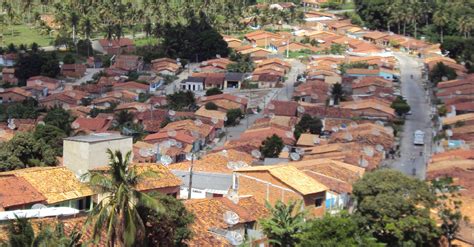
[[66, 106], [335, 129], [444, 78], [223, 153], [11, 125], [378, 122], [232, 165], [343, 126], [235, 238], [369, 151], [233, 196], [198, 122], [41, 123], [371, 67], [379, 148], [256, 154], [171, 112], [190, 156], [449, 132], [165, 144], [458, 92], [166, 160], [117, 94], [239, 99], [348, 137], [372, 88], [231, 218], [225, 118], [289, 134], [179, 145], [300, 109], [214, 120], [363, 163], [300, 151], [171, 133], [38, 206], [2, 89], [241, 164], [295, 156], [107, 104], [303, 93], [285, 149], [316, 140], [144, 152], [172, 142]]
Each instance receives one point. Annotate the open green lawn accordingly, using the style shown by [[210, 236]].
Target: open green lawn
[[24, 34], [145, 41]]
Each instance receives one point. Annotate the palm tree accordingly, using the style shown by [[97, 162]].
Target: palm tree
[[440, 19], [116, 214], [21, 234], [87, 27], [284, 224], [337, 93], [465, 25], [74, 20]]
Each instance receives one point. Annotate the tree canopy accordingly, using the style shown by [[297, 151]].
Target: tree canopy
[[400, 106], [182, 100], [213, 91], [440, 72], [396, 208], [23, 151], [60, 118], [309, 124], [272, 146], [233, 116]]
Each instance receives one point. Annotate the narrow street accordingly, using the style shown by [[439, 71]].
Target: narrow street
[[413, 159]]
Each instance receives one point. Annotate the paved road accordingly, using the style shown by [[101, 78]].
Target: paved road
[[410, 162], [285, 93]]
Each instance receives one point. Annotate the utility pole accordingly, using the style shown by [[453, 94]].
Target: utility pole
[[191, 176]]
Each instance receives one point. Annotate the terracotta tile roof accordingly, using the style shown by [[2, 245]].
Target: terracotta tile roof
[[262, 133], [291, 176], [333, 184], [373, 103], [225, 96], [209, 214], [91, 124], [17, 90], [57, 184], [180, 135], [458, 118], [307, 139], [282, 108], [189, 125], [331, 168], [130, 85], [453, 154], [375, 35], [137, 106], [203, 112], [216, 162], [246, 146], [16, 191]]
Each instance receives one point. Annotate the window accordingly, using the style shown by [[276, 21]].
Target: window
[[318, 202]]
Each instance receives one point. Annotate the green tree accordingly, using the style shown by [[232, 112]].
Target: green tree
[[52, 136], [308, 124], [69, 59], [441, 19], [285, 223], [241, 63], [336, 230], [28, 108], [441, 71], [117, 213], [396, 208], [337, 93], [211, 106], [181, 100], [213, 91], [23, 151], [122, 118], [272, 146], [448, 207], [233, 116], [400, 106], [21, 234], [59, 118], [169, 228]]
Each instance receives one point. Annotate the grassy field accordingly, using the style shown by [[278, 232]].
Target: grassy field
[[145, 41], [23, 34]]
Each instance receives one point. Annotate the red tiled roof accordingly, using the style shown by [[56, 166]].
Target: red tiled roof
[[91, 124], [282, 108], [16, 191]]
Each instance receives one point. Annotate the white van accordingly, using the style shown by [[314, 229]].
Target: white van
[[419, 137]]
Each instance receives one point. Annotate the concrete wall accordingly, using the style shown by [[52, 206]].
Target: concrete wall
[[82, 156]]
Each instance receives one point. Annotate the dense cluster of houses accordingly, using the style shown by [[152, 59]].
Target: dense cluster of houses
[[232, 176]]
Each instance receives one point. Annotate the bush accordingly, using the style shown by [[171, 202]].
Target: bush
[[441, 71], [233, 117], [213, 91], [210, 106]]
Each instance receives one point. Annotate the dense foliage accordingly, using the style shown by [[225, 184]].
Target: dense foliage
[[400, 106], [272, 146], [285, 223], [59, 118], [309, 124], [33, 64], [23, 151], [182, 100], [168, 228], [396, 208], [233, 116], [441, 72], [213, 91], [433, 19]]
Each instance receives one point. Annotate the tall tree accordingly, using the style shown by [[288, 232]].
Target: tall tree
[[396, 208], [117, 213], [440, 19], [337, 93], [272, 146]]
